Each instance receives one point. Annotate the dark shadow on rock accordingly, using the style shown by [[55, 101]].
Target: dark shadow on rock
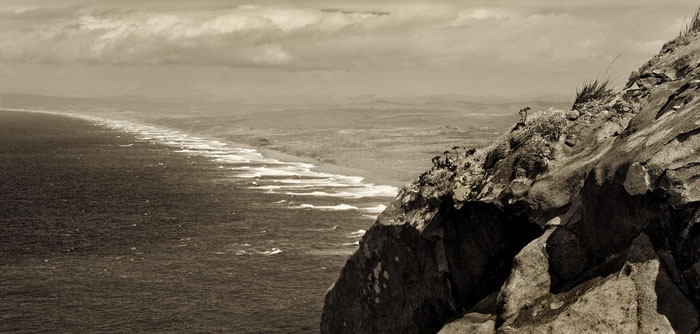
[[402, 280], [480, 241], [677, 307], [678, 282], [594, 243]]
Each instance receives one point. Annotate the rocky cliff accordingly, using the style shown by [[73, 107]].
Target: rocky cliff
[[578, 221]]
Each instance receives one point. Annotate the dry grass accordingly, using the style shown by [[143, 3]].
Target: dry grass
[[592, 90], [691, 27]]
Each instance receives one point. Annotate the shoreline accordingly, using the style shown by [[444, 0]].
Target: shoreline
[[325, 167], [319, 166]]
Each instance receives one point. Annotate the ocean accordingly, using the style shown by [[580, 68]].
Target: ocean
[[113, 226]]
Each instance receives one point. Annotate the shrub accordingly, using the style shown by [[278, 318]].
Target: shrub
[[436, 177], [496, 152], [548, 124], [533, 157], [593, 90]]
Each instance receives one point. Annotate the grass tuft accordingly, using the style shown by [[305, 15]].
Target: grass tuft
[[592, 90], [692, 27]]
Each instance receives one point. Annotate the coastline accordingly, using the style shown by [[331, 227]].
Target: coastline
[[325, 167], [319, 166]]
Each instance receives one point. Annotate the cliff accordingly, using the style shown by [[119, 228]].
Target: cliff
[[584, 220]]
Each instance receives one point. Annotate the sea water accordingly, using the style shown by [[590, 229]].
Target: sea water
[[264, 271]]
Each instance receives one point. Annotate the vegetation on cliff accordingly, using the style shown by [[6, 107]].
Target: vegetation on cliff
[[581, 220]]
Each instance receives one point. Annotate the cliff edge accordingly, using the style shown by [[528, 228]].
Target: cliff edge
[[584, 220]]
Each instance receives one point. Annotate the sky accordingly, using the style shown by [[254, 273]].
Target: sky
[[235, 48]]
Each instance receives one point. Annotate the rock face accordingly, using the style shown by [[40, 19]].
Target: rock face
[[536, 235]]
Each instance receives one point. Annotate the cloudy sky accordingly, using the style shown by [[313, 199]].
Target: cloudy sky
[[239, 48]]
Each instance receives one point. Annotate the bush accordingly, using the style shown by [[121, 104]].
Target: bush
[[436, 177], [496, 152], [547, 124], [533, 157]]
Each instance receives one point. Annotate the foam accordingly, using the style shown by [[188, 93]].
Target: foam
[[271, 175], [271, 251], [357, 234], [379, 208], [354, 243], [339, 207], [359, 192]]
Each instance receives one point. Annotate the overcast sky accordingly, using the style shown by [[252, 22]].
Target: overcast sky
[[238, 48]]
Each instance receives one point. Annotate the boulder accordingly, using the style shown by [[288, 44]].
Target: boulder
[[572, 115]]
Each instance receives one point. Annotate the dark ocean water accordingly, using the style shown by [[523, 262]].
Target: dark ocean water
[[104, 231]]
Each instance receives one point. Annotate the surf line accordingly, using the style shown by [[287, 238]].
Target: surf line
[[265, 174]]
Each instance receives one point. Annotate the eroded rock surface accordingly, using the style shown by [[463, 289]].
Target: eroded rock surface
[[600, 235]]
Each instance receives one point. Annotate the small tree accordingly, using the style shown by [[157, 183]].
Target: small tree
[[455, 148]]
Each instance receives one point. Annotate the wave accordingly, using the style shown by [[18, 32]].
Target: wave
[[271, 251], [363, 192], [379, 208], [270, 175], [329, 229], [357, 234], [331, 252], [268, 252], [339, 207], [354, 243]]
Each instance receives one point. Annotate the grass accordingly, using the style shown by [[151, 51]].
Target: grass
[[693, 26], [592, 90]]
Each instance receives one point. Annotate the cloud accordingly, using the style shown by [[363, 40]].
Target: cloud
[[470, 43], [238, 37], [294, 39]]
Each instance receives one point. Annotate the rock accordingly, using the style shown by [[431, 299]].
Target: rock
[[648, 82], [473, 323], [637, 181], [519, 186], [461, 194], [632, 92], [620, 250], [571, 256], [572, 115], [528, 280], [450, 264], [639, 298]]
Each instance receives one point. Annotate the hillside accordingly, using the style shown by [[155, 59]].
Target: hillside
[[577, 221]]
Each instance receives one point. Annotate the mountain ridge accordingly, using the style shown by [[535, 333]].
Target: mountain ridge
[[581, 220]]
